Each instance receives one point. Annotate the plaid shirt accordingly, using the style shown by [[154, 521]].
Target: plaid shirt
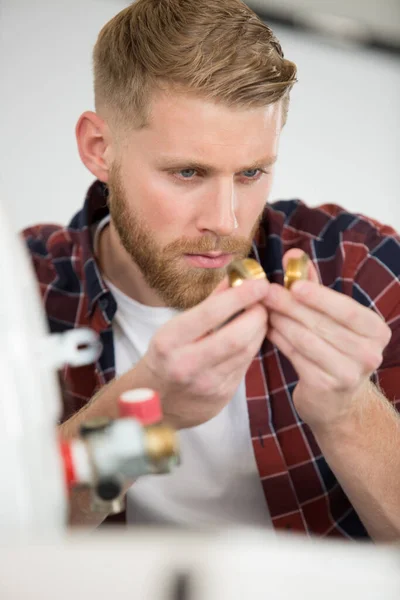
[[352, 254]]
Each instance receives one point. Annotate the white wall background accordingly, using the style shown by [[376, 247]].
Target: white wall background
[[341, 144], [45, 83], [342, 141]]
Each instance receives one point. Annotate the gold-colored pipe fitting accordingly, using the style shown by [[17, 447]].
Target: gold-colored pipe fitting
[[161, 443], [248, 268], [296, 270]]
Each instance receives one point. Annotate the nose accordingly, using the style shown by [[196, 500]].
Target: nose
[[217, 210]]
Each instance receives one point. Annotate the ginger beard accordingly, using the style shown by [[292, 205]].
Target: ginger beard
[[178, 284]]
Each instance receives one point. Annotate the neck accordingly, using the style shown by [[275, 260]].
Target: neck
[[119, 268]]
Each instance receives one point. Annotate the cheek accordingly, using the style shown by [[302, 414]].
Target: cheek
[[159, 203], [250, 201]]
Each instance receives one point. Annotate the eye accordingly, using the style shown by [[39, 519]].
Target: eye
[[251, 173], [187, 173]]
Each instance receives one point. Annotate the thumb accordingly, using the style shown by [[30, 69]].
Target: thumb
[[312, 274]]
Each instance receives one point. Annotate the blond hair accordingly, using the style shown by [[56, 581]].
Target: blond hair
[[216, 49]]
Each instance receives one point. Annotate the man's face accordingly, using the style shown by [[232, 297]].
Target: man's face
[[187, 192]]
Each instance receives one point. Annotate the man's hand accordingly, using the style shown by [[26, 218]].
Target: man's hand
[[333, 342], [198, 366]]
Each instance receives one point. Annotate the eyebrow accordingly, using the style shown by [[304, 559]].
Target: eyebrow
[[175, 162]]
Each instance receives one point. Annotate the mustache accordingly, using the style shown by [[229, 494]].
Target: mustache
[[228, 245]]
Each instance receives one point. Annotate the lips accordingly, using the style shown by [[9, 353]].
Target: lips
[[209, 260]]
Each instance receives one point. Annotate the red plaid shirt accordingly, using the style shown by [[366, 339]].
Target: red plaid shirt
[[352, 254]]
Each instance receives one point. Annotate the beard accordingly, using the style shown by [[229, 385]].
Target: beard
[[179, 285]]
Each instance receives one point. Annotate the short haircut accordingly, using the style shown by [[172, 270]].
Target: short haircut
[[218, 50]]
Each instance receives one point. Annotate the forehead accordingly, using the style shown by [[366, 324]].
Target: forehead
[[183, 124]]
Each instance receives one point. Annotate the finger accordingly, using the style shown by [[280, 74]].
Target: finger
[[232, 369], [234, 339], [241, 358], [206, 316], [307, 371], [342, 338], [343, 309], [221, 287], [297, 253], [329, 359]]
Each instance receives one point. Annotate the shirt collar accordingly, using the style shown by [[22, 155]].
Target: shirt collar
[[93, 211]]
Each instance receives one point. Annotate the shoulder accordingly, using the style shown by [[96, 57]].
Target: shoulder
[[333, 228], [41, 240], [353, 253], [326, 221], [52, 249]]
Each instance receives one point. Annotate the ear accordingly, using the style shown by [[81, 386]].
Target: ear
[[94, 144]]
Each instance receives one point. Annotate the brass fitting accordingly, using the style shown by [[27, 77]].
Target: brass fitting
[[161, 442], [296, 270], [248, 268]]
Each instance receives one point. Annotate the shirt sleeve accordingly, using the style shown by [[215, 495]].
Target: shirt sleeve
[[376, 265]]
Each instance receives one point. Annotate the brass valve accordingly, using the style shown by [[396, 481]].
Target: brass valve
[[161, 442]]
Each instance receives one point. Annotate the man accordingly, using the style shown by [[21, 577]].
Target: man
[[287, 413]]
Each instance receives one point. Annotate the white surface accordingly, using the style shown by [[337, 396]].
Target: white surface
[[341, 145], [228, 566], [218, 481], [137, 396], [33, 494], [74, 347], [46, 83], [342, 142], [81, 462], [32, 487]]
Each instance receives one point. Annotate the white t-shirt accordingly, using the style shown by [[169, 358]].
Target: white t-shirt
[[218, 481]]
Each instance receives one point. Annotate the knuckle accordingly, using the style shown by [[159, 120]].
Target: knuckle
[[350, 380], [160, 347], [179, 373], [234, 344], [353, 314], [205, 386], [372, 360], [325, 383], [251, 292], [322, 328], [306, 341], [381, 330]]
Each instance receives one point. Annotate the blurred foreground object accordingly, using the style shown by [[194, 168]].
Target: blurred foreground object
[[112, 453], [157, 564], [36, 468]]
